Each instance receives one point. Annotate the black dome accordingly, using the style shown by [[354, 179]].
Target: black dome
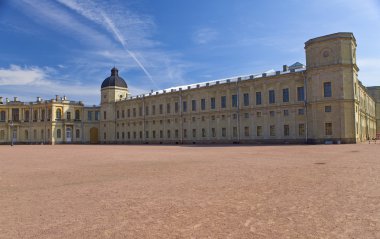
[[114, 80]]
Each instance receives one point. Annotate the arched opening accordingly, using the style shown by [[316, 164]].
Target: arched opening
[[77, 115], [58, 114], [94, 134]]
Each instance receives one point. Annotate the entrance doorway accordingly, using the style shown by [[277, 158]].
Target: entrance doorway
[[94, 134], [68, 135]]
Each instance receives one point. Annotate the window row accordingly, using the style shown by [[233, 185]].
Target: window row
[[160, 134]]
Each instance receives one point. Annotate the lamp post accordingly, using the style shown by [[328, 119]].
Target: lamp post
[[11, 132]]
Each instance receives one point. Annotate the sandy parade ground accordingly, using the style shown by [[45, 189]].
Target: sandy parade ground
[[147, 191]]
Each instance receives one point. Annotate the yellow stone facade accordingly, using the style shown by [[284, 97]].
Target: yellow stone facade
[[322, 102]]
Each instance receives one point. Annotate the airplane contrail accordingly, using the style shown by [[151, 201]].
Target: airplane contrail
[[121, 39]]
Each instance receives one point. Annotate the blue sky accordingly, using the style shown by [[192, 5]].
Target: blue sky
[[68, 47]]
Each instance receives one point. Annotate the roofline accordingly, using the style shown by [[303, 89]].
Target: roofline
[[342, 35]]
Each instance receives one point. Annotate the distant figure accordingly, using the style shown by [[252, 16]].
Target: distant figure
[[369, 139]]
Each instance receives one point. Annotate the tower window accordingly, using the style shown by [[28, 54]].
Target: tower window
[[327, 92]]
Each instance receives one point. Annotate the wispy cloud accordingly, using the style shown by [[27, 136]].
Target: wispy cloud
[[108, 31], [37, 81], [204, 35]]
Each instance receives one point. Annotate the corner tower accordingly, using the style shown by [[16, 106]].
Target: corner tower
[[113, 89], [331, 78]]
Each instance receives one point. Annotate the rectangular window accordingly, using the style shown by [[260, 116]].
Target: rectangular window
[[271, 113], [153, 134], [147, 134], [234, 132], [176, 133], [161, 109], [146, 110], [153, 109], [141, 134], [184, 106], [134, 112], [272, 98], [194, 133], [259, 130], [15, 114], [246, 131], [246, 99], [89, 115], [301, 111], [168, 133], [212, 103], [258, 98], [285, 95], [193, 105], [286, 112], [104, 115], [203, 104], [301, 129], [161, 134], [328, 108], [224, 132], [140, 111], [300, 93], [246, 115], [176, 107], [123, 114], [97, 113], [327, 89], [286, 130], [272, 130], [258, 114], [168, 108], [234, 100], [213, 132], [328, 129], [185, 133], [203, 132], [2, 134], [223, 101]]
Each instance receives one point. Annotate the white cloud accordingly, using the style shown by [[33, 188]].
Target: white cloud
[[16, 75], [204, 35], [40, 82]]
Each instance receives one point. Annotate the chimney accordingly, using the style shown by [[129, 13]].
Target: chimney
[[38, 99], [56, 97], [15, 99], [64, 97], [285, 68]]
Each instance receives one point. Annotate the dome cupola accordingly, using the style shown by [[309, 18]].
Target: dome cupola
[[114, 80]]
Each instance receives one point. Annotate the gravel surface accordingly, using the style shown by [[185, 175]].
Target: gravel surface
[[120, 191]]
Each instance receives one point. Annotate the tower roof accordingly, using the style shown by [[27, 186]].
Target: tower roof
[[114, 80]]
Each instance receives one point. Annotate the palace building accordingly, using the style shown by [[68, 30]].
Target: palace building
[[322, 102]]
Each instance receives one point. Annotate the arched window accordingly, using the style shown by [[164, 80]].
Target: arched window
[[58, 114], [77, 115], [77, 133], [59, 133], [2, 116], [26, 134]]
